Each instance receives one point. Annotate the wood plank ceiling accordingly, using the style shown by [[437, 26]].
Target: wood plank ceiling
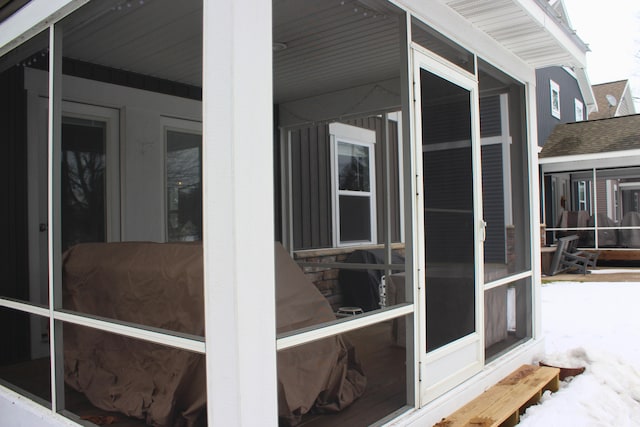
[[332, 45], [328, 45]]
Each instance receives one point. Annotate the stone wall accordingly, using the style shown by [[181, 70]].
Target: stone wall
[[326, 278]]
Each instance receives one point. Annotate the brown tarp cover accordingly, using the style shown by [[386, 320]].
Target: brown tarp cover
[[160, 285]]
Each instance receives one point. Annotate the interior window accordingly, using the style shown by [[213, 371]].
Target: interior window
[[354, 168], [83, 181], [184, 186]]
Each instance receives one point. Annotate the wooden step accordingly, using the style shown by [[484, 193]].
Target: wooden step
[[502, 404]]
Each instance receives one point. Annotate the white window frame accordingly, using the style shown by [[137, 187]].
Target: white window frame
[[111, 118], [579, 107], [583, 195], [347, 134], [182, 126], [554, 92]]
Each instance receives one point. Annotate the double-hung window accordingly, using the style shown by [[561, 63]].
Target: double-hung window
[[354, 184]]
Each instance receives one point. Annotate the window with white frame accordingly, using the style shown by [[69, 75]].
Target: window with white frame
[[579, 106], [354, 184], [554, 89], [583, 195], [183, 168]]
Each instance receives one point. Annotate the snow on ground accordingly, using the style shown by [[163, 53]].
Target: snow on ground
[[614, 271], [595, 325]]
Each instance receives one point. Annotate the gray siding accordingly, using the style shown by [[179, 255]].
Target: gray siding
[[376, 124], [311, 183], [448, 203], [492, 181], [493, 203], [569, 91], [311, 187], [490, 119]]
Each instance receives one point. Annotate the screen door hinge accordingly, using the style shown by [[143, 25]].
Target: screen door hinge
[[414, 91]]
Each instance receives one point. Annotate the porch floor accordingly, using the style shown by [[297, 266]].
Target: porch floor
[[383, 363], [382, 360]]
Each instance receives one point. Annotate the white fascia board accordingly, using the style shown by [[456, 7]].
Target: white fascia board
[[591, 156], [443, 19], [588, 161], [586, 89], [31, 19], [561, 7], [627, 97], [554, 28], [569, 49]]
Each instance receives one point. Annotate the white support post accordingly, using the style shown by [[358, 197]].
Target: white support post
[[238, 213]]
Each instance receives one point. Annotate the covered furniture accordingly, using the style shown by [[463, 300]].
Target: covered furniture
[[630, 238], [576, 219], [160, 285], [608, 238]]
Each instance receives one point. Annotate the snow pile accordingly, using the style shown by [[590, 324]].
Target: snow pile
[[595, 325]]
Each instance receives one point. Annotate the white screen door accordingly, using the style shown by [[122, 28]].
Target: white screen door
[[447, 131]]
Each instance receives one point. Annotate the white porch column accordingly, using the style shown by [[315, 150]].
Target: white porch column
[[238, 213]]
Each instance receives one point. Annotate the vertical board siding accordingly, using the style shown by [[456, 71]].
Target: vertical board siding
[[324, 187], [493, 203], [311, 189], [314, 202], [376, 124], [296, 189], [490, 120], [311, 183], [492, 181], [569, 91], [448, 195]]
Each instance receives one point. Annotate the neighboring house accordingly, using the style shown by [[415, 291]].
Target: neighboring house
[[591, 175], [389, 148], [563, 96], [614, 99]]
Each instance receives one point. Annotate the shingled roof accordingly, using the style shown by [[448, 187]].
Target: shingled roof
[[593, 136], [601, 91]]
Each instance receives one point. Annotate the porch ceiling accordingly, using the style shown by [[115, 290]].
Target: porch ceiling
[[333, 45], [329, 45], [532, 30]]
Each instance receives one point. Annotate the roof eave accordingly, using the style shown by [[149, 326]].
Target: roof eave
[[586, 89], [555, 43], [589, 156]]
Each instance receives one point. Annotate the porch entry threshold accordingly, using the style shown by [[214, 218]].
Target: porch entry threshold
[[502, 404]]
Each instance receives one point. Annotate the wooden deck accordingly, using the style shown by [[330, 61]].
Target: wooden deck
[[620, 255]]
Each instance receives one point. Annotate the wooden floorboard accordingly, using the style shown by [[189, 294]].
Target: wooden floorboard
[[384, 364]]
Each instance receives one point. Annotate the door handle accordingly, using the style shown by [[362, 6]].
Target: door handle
[[483, 229]]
